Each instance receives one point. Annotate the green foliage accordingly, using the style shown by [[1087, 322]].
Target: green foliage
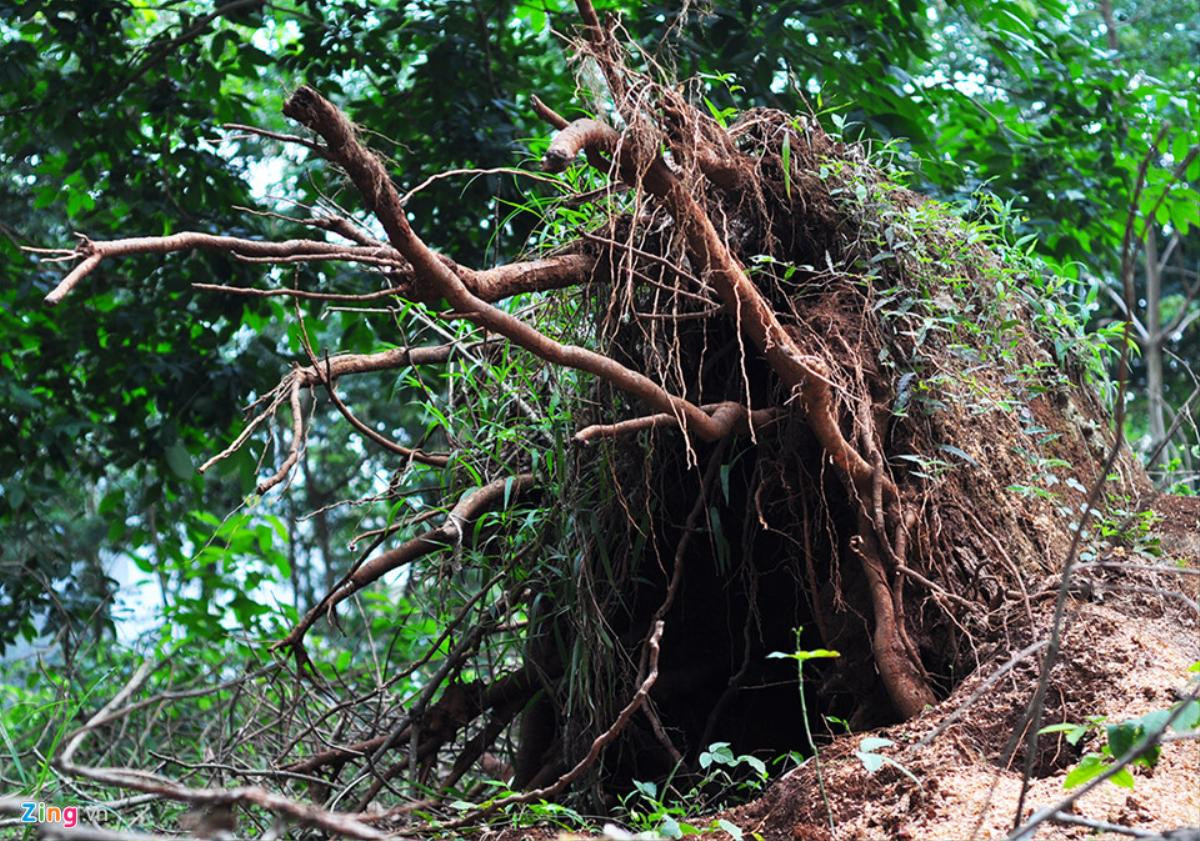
[[654, 811], [39, 706], [541, 813], [802, 656], [868, 754], [648, 813], [1127, 744], [1119, 525], [671, 814]]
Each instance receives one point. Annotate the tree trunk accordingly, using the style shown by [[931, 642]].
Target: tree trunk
[[1152, 351]]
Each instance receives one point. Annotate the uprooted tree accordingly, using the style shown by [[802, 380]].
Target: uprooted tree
[[817, 410]]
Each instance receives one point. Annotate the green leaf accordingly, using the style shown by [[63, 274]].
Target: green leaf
[[16, 495], [1091, 766], [871, 761], [718, 753], [959, 453], [1122, 737], [110, 501], [670, 828], [1189, 719], [733, 829], [1154, 721], [1123, 778], [179, 460], [650, 790], [802, 656], [785, 160], [1074, 732]]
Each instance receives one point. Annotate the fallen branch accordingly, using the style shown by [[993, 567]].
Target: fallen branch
[[1101, 826]]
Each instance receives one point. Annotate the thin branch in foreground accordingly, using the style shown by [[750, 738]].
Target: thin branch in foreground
[[132, 778], [538, 275], [945, 723], [1032, 717], [1101, 826]]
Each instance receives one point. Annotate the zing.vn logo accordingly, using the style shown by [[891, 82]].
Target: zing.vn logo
[[39, 812]]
